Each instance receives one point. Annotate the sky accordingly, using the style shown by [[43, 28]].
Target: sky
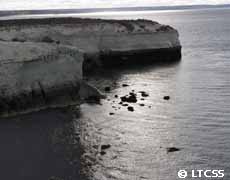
[[67, 4]]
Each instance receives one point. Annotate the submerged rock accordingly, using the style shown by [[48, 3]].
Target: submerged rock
[[172, 149], [129, 98], [144, 94], [130, 108], [107, 89], [103, 153], [166, 98], [105, 146], [125, 85]]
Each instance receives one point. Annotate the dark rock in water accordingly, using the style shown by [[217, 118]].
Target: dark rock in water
[[111, 114], [95, 146], [120, 102], [142, 104], [144, 94], [130, 108], [105, 146], [116, 96], [107, 89], [131, 98], [47, 39], [18, 40], [102, 153], [125, 105], [132, 94], [166, 97], [172, 149], [125, 85], [142, 99]]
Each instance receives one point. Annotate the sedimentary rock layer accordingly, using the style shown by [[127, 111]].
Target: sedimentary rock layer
[[96, 37], [38, 75]]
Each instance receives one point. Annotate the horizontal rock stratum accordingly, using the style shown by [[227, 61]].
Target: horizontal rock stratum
[[41, 60]]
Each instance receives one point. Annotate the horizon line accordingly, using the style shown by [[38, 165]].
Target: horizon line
[[126, 7]]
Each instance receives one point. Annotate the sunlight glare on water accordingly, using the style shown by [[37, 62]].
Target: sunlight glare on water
[[195, 119]]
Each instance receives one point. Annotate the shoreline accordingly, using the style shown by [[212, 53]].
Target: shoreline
[[53, 54]]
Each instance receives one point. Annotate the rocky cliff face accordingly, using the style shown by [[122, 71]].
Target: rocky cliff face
[[92, 35], [40, 75], [42, 59]]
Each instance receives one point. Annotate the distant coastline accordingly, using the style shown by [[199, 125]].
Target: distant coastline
[[94, 10]]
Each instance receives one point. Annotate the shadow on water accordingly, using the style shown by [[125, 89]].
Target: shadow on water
[[40, 145], [46, 144]]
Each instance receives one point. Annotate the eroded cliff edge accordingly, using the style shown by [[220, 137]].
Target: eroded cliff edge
[[42, 60]]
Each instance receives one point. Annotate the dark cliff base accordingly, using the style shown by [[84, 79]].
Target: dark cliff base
[[141, 57], [133, 58]]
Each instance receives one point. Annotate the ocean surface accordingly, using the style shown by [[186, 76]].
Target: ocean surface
[[196, 119], [133, 145]]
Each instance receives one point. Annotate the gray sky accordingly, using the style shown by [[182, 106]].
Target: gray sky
[[48, 4]]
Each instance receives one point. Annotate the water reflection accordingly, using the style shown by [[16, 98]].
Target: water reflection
[[138, 139]]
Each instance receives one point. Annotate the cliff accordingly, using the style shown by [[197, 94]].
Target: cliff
[[40, 75], [42, 59]]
